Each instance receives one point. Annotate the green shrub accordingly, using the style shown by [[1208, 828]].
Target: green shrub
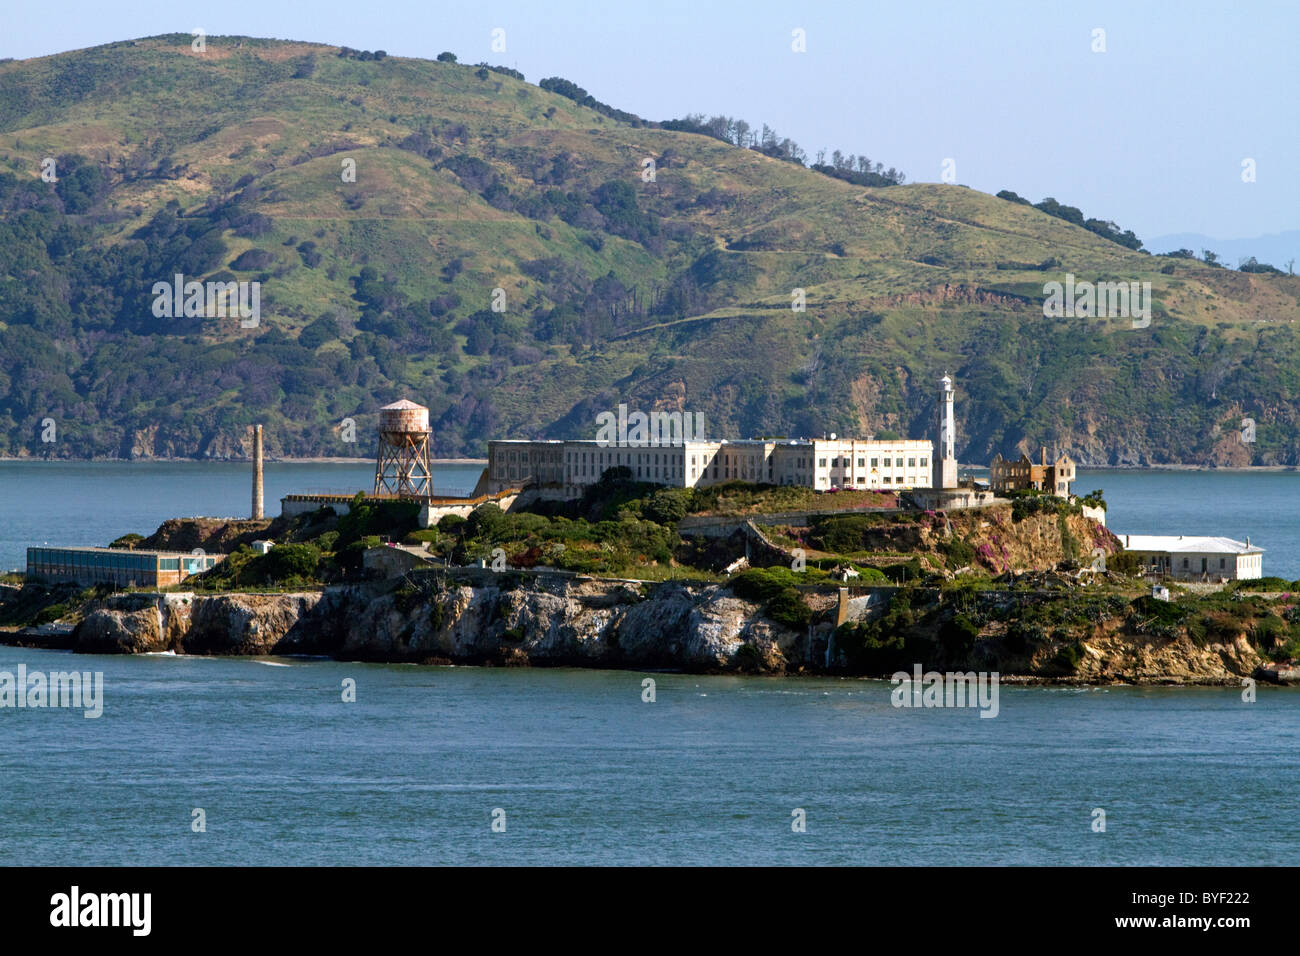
[[788, 607], [748, 658], [392, 519], [1094, 499], [868, 649], [844, 534], [485, 522], [1164, 612], [958, 636], [284, 562], [50, 614], [903, 572], [1067, 659], [762, 584], [668, 506], [958, 553], [1270, 630], [1269, 583], [1124, 562], [449, 523]]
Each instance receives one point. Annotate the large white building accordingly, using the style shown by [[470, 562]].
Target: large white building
[[569, 467], [1196, 558]]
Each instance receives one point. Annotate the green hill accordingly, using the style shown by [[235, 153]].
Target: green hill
[[674, 293]]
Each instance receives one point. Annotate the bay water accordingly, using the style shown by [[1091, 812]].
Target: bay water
[[580, 768]]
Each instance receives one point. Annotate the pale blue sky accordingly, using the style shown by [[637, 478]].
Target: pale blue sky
[[1151, 133]]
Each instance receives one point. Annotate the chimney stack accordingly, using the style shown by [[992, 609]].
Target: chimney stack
[[257, 471]]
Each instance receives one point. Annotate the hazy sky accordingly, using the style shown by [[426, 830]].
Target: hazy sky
[[1151, 133]]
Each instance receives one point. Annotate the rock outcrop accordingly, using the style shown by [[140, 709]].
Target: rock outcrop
[[134, 624], [223, 624], [582, 623], [553, 620], [245, 623]]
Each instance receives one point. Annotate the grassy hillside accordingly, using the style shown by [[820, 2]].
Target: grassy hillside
[[674, 293]]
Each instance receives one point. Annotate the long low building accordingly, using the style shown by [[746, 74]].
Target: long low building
[[1195, 557], [117, 566], [570, 467]]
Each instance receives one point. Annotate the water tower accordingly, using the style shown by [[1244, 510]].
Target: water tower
[[403, 467]]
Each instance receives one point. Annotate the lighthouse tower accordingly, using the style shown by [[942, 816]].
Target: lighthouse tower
[[945, 456]]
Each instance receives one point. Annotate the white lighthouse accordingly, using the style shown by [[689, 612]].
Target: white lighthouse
[[945, 461]]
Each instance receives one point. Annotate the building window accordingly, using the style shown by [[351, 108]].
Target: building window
[[898, 462], [821, 462], [875, 463], [861, 462], [911, 463], [886, 479], [922, 462]]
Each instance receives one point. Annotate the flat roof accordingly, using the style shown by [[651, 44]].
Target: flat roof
[[669, 443], [1187, 543], [97, 549]]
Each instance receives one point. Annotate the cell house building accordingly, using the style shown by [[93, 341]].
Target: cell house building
[[116, 566]]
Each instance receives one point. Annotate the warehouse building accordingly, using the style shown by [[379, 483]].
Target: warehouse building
[[116, 566], [1195, 557]]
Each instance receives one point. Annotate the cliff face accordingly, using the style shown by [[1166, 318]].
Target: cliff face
[[691, 627], [134, 624], [585, 623], [1110, 655], [577, 623], [1036, 541], [225, 624]]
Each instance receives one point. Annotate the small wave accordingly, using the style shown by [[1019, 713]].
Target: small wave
[[272, 664]]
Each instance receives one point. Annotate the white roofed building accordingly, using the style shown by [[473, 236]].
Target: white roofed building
[[1196, 557]]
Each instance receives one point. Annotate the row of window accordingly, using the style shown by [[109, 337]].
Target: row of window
[[117, 561], [1161, 560], [885, 480], [55, 559], [875, 462]]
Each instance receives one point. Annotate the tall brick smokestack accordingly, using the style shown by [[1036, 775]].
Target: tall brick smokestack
[[257, 471]]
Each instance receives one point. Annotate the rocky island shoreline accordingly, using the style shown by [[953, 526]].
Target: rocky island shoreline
[[706, 628], [730, 580]]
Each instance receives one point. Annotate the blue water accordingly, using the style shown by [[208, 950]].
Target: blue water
[[586, 772], [1263, 506], [66, 503], [78, 503]]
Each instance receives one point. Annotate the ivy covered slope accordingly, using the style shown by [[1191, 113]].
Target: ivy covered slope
[[671, 293]]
